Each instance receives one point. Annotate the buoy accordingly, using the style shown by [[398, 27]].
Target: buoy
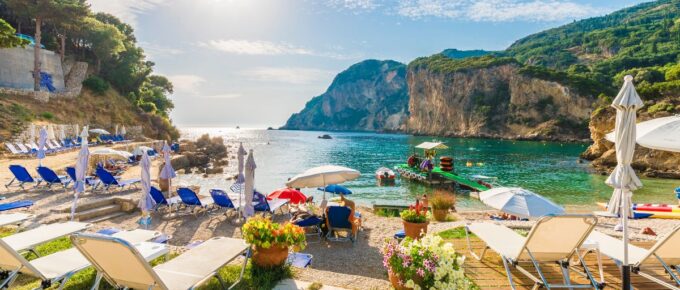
[[468, 164]]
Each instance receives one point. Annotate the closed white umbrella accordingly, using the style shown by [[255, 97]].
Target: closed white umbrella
[[50, 132], [116, 129], [519, 201], [660, 134], [240, 178], [81, 171], [76, 130], [146, 202], [42, 140], [167, 172], [249, 184], [623, 178], [62, 132], [322, 176], [122, 131], [32, 132]]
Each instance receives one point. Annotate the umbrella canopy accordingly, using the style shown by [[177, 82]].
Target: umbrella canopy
[[112, 153], [99, 131], [623, 178], [323, 175], [432, 145], [660, 134], [288, 193], [81, 171], [122, 130], [139, 150], [519, 202], [167, 172], [50, 132], [42, 140], [146, 203], [336, 189], [249, 184]]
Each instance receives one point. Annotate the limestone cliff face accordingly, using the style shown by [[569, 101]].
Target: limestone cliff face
[[368, 96], [648, 162], [496, 101]]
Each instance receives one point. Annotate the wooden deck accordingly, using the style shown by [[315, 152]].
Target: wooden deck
[[490, 274]]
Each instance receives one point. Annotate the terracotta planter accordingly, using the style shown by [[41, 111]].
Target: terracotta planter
[[394, 280], [415, 230], [440, 214], [270, 257]]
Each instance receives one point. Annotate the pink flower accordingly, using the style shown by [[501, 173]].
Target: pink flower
[[420, 272], [429, 265]]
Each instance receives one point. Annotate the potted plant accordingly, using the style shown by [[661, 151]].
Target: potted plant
[[415, 220], [270, 241], [440, 203], [428, 263]]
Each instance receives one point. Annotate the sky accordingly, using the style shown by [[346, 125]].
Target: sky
[[253, 63]]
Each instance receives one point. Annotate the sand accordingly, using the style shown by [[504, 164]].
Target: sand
[[357, 266]]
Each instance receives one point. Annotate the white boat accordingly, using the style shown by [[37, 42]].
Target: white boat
[[384, 174]]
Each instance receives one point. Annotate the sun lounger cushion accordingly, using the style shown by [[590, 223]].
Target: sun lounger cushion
[[499, 238], [12, 218], [15, 204], [29, 239]]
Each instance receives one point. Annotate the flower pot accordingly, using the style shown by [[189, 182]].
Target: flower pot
[[270, 257], [394, 280], [440, 214], [415, 230]]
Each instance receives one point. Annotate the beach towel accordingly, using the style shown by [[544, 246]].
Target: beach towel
[[15, 204]]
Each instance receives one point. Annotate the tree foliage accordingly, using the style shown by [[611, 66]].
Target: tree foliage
[[7, 37]]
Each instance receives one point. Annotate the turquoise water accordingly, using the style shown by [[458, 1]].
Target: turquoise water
[[548, 168]]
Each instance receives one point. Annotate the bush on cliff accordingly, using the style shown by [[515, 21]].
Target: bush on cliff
[[96, 84]]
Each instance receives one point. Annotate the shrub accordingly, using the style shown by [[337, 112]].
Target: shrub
[[660, 107], [148, 107], [96, 84], [47, 115]]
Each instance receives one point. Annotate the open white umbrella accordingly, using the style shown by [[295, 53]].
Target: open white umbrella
[[322, 176], [99, 131], [519, 201], [660, 134], [623, 178], [249, 185], [113, 153], [139, 150], [81, 171], [167, 172], [42, 140], [146, 202], [50, 132]]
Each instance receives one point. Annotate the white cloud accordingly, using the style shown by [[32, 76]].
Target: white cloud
[[292, 75], [222, 96], [497, 10], [355, 5], [185, 83], [127, 10], [263, 47]]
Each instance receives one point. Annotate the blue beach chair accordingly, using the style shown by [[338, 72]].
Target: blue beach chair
[[161, 201], [51, 178], [191, 200], [89, 180], [107, 179], [21, 176], [312, 226], [222, 200], [15, 205], [337, 220]]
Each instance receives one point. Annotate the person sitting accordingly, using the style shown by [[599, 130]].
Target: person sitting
[[353, 217]]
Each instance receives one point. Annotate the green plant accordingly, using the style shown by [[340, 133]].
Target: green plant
[[455, 233], [415, 213], [442, 200], [262, 232], [428, 263], [47, 115], [660, 107], [96, 84], [387, 212]]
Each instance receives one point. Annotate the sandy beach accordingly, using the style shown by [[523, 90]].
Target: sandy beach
[[338, 264]]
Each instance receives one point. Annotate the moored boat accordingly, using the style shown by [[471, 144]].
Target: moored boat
[[384, 174], [658, 211]]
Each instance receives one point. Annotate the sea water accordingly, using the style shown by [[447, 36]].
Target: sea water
[[552, 169]]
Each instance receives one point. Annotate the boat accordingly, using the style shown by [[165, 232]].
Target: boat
[[488, 181], [649, 210], [384, 174], [325, 136]]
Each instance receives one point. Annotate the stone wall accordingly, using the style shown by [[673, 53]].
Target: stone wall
[[16, 68]]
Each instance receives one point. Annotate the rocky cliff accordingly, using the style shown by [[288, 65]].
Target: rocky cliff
[[368, 96], [650, 163], [490, 97]]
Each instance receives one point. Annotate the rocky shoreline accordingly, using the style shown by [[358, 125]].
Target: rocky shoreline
[[206, 155]]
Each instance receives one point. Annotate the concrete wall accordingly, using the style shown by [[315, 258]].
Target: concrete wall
[[16, 66]]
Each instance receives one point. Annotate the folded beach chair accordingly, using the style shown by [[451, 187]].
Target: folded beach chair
[[222, 200], [28, 240], [161, 201], [124, 267], [553, 239], [13, 218], [21, 176], [191, 200], [337, 220], [89, 180], [22, 148], [14, 150], [665, 252], [50, 177], [15, 204], [58, 267], [108, 180]]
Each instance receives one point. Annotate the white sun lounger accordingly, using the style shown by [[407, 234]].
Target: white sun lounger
[[552, 239], [124, 267], [28, 240], [59, 267], [666, 252], [13, 218]]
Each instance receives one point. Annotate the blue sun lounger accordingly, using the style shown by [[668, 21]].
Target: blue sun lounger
[[190, 199], [21, 176], [108, 180], [222, 200], [161, 201], [337, 220], [89, 180], [15, 205], [51, 178]]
